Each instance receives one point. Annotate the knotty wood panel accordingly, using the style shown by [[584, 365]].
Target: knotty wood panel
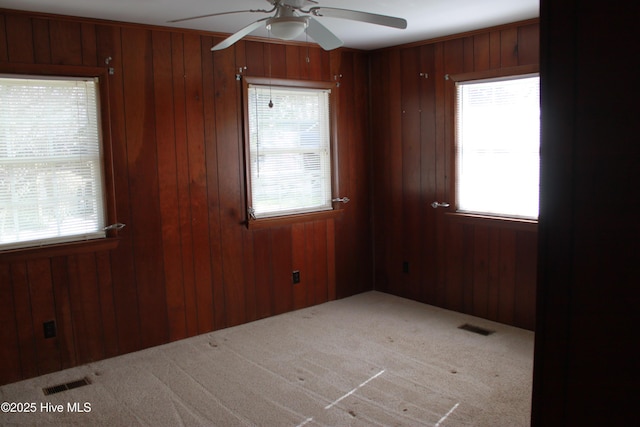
[[479, 267], [185, 262]]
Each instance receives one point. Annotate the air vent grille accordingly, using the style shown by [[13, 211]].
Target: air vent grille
[[66, 386]]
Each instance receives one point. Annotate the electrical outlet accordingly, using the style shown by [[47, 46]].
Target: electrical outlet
[[296, 277], [49, 329]]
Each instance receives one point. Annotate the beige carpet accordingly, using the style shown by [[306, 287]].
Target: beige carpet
[[368, 360]]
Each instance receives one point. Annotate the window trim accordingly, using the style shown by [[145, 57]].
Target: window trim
[[525, 223], [110, 241], [253, 223]]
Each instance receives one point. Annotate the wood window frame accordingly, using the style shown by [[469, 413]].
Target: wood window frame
[[275, 221], [110, 241], [523, 224]]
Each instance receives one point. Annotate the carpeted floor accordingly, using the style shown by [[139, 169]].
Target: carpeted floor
[[368, 360]]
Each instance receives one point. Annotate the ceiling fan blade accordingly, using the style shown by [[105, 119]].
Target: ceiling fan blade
[[238, 35], [321, 34], [354, 15], [220, 14]]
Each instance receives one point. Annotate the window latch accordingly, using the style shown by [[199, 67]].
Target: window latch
[[252, 213], [117, 226], [341, 200], [436, 205]]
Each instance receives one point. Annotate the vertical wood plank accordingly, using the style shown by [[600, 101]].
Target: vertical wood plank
[[41, 43], [109, 42], [429, 177], [168, 189], [395, 255], [482, 52], [213, 198], [4, 55], [229, 179], [321, 270], [11, 367], [509, 47], [468, 278], [379, 180], [312, 263], [185, 213], [454, 291], [64, 318], [66, 42], [262, 251], [506, 286], [494, 273], [19, 39], [24, 320], [281, 269], [278, 57], [480, 271], [249, 276], [299, 263], [256, 58], [331, 260], [441, 172], [293, 62], [528, 44], [143, 184], [89, 47], [411, 174], [198, 181], [468, 58], [107, 304], [43, 310], [525, 291], [495, 49], [85, 308]]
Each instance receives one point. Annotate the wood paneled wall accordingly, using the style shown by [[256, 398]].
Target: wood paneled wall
[[478, 266], [185, 263]]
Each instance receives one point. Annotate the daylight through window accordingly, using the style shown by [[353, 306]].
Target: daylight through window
[[498, 144], [51, 173], [289, 150]]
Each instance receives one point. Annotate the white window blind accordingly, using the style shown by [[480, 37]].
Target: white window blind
[[289, 150], [51, 182], [498, 144]]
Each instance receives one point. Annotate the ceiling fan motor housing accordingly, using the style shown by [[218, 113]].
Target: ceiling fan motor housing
[[285, 25]]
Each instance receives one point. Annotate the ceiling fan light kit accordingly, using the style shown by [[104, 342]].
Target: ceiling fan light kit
[[291, 20], [287, 27]]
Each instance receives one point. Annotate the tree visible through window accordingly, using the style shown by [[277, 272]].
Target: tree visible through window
[[498, 144], [289, 150], [51, 170]]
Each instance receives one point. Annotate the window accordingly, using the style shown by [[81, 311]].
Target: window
[[288, 149], [51, 167], [498, 143]]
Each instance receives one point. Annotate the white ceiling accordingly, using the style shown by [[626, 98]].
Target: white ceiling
[[426, 19]]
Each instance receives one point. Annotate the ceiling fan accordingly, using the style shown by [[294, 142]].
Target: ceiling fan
[[291, 19]]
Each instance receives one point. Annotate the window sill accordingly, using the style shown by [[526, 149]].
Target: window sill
[[255, 224], [519, 224], [50, 251]]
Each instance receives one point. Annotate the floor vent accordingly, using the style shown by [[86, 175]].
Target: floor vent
[[476, 329], [64, 387]]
